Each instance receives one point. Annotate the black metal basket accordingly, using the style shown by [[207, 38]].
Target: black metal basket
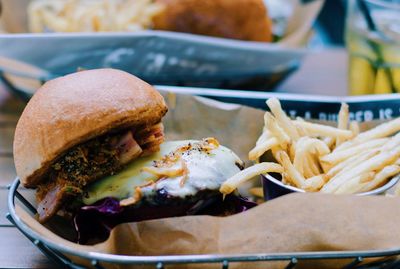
[[55, 252]]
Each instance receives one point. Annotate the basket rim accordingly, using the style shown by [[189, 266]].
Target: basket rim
[[175, 259]]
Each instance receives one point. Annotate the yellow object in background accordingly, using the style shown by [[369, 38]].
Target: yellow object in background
[[396, 78], [361, 76], [382, 84], [374, 48]]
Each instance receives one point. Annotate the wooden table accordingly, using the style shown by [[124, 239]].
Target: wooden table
[[322, 73]]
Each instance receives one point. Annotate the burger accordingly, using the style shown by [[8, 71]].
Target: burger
[[92, 145]]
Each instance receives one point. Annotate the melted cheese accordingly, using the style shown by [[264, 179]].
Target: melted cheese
[[206, 171]]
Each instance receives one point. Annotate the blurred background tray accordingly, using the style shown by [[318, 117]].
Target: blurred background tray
[[160, 57], [155, 56]]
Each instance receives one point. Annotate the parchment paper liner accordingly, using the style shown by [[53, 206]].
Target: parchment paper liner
[[296, 222]]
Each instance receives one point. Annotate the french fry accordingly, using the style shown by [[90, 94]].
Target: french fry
[[312, 168], [259, 145], [275, 150], [323, 130], [292, 151], [381, 177], [299, 162], [233, 182], [346, 145], [343, 116], [284, 178], [317, 157], [344, 166], [300, 152], [302, 132], [312, 146], [293, 175], [257, 191], [321, 148], [303, 160], [354, 127], [264, 136], [307, 170], [375, 163], [336, 157], [329, 141], [314, 183], [261, 148], [392, 143], [161, 171], [343, 121], [134, 199], [380, 131], [356, 184], [275, 129], [326, 167], [284, 121]]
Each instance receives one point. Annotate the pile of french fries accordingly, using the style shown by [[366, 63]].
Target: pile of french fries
[[92, 16], [316, 157]]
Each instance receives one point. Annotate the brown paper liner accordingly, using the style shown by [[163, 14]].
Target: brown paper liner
[[292, 223]]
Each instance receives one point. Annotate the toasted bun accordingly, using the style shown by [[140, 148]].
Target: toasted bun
[[72, 109], [236, 19]]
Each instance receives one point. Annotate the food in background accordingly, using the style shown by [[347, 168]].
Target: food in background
[[328, 159], [236, 19], [92, 16]]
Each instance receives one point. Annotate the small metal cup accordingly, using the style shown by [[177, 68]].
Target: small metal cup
[[273, 187]]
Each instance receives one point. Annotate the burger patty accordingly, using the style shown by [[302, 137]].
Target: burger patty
[[92, 160]]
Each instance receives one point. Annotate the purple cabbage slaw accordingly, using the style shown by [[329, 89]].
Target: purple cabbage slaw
[[94, 223]]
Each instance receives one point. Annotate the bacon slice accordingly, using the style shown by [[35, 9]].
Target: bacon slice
[[150, 138], [54, 199], [128, 148]]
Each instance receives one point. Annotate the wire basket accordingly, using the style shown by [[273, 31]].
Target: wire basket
[[55, 252]]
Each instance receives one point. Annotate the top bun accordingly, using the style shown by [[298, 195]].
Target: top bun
[[73, 109], [236, 19]]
